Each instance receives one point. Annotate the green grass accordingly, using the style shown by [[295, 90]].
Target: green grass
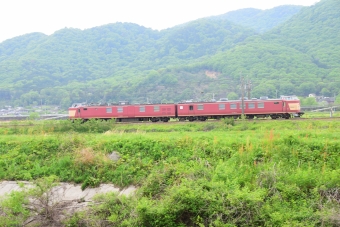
[[321, 114], [219, 173]]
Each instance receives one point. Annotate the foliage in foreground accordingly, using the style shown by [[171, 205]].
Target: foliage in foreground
[[277, 173], [34, 205]]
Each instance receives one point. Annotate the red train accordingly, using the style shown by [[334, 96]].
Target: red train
[[284, 107]]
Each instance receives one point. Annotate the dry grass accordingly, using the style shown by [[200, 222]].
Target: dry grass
[[87, 156]]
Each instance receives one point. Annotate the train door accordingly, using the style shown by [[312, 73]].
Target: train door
[[278, 106], [183, 110], [131, 111], [78, 114], [191, 110], [284, 106]]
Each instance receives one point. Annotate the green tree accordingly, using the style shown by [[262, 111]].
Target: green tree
[[337, 99], [34, 116], [325, 92], [65, 103], [306, 88], [232, 96], [287, 88], [266, 89], [309, 101]]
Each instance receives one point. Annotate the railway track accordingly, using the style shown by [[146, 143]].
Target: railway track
[[8, 125]]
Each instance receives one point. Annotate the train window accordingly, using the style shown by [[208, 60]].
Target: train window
[[221, 106], [251, 105], [233, 106], [155, 108], [85, 108], [78, 110], [191, 107], [244, 106], [119, 109], [142, 109], [200, 107], [276, 102], [260, 105], [109, 110]]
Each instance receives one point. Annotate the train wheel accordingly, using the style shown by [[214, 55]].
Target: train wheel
[[287, 116], [250, 116], [191, 118], [273, 117]]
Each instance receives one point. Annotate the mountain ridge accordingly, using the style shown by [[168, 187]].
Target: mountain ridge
[[125, 61]]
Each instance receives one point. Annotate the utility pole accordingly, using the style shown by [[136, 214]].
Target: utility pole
[[242, 92], [331, 112], [248, 87]]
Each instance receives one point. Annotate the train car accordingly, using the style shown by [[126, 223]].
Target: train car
[[285, 107], [124, 112], [292, 105], [202, 111]]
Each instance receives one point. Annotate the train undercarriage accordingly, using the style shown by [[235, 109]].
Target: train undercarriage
[[204, 118], [238, 116]]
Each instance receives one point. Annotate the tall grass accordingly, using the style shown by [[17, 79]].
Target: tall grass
[[275, 173]]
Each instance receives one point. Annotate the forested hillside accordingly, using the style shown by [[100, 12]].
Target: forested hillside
[[299, 57], [196, 60], [315, 31], [261, 20]]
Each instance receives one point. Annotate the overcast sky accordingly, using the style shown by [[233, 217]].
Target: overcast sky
[[18, 17]]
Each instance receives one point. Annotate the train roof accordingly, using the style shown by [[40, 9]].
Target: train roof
[[126, 103]]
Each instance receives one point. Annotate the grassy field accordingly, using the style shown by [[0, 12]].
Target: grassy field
[[218, 173]]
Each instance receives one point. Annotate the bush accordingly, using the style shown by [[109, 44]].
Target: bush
[[34, 116], [229, 121]]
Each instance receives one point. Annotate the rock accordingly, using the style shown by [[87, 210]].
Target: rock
[[114, 156]]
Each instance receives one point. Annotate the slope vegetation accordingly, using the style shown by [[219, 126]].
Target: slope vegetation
[[124, 61]]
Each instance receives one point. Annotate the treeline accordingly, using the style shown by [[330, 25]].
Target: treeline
[[298, 54]]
